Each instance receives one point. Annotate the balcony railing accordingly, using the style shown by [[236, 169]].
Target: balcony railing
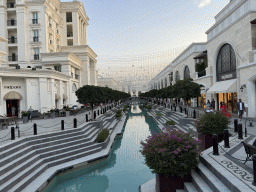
[[11, 22], [12, 40], [70, 34], [34, 21], [201, 74], [76, 76], [36, 57], [35, 39], [10, 5], [13, 58]]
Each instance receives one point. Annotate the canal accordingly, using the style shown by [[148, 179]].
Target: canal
[[122, 171]]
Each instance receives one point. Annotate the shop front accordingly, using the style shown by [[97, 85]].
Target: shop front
[[201, 101]]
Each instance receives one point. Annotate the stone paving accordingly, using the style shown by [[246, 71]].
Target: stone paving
[[229, 161]]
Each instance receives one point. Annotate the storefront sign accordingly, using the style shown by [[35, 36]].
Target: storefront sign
[[12, 87], [226, 76]]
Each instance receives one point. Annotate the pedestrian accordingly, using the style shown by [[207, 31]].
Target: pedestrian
[[241, 108], [30, 113], [213, 104], [208, 104], [13, 111]]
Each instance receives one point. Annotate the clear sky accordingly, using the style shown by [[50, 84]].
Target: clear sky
[[130, 27]]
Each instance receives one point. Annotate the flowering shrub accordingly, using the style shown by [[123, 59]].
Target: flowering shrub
[[212, 123], [172, 153], [158, 114]]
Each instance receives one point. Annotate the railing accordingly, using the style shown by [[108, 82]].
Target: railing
[[35, 39], [69, 34], [76, 76], [201, 74], [36, 57], [10, 5], [11, 22], [12, 40], [13, 58], [34, 21]]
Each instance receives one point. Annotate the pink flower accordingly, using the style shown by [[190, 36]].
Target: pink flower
[[175, 152]]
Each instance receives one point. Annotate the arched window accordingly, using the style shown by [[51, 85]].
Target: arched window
[[165, 82], [226, 63], [177, 76], [74, 88], [186, 73]]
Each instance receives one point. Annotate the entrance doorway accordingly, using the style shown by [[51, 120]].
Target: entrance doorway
[[230, 99], [9, 105]]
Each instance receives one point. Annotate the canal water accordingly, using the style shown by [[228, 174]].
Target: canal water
[[123, 170]]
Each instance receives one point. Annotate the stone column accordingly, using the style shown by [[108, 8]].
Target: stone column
[[1, 97], [60, 91], [251, 92], [43, 96], [85, 78], [3, 32], [93, 72], [21, 35], [52, 94]]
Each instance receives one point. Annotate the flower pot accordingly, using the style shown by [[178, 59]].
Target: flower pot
[[67, 113], [206, 141], [171, 183], [25, 119]]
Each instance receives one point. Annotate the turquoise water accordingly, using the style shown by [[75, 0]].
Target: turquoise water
[[123, 171]]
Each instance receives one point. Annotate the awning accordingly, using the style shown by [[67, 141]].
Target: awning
[[65, 96], [57, 96], [12, 95], [228, 86]]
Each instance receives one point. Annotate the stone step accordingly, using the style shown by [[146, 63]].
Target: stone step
[[199, 183], [55, 141], [211, 180], [189, 187], [48, 156]]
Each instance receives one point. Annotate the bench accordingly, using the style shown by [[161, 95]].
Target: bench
[[250, 150]]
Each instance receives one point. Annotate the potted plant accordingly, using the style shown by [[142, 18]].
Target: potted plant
[[158, 115], [170, 124], [52, 111], [46, 115], [118, 114], [4, 125], [171, 156], [209, 124], [24, 115], [67, 111]]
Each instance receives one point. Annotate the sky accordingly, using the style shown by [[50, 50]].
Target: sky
[[131, 27]]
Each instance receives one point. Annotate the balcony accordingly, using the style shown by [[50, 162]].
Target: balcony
[[10, 5], [36, 57], [34, 21], [35, 39], [201, 74], [12, 40], [13, 58], [70, 34], [11, 22]]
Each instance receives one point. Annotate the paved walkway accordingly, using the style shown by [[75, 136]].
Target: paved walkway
[[230, 160], [44, 126]]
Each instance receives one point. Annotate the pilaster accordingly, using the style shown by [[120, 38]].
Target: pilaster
[[3, 31], [92, 72], [44, 102]]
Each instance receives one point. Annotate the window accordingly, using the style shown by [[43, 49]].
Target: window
[[226, 63], [69, 31], [186, 73], [70, 42], [50, 38], [36, 55], [57, 68], [36, 36], [69, 16], [74, 88], [177, 76], [35, 18], [57, 28], [50, 22]]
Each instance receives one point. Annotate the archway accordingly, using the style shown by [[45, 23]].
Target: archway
[[12, 103]]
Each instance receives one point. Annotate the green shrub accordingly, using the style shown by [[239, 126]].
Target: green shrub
[[52, 110], [4, 124], [148, 107], [212, 123], [118, 115], [82, 107], [170, 122], [102, 136], [67, 109], [158, 114], [119, 111], [24, 113]]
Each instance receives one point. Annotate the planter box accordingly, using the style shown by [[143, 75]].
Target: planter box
[[53, 115], [206, 140], [67, 113], [25, 119], [171, 183]]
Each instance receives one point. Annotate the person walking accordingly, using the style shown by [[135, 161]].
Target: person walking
[[13, 111], [30, 113], [241, 108], [208, 105], [213, 104]]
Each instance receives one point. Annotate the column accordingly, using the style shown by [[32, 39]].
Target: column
[[250, 86], [52, 94], [3, 31], [85, 78], [92, 72], [60, 91], [43, 95], [85, 35], [21, 35]]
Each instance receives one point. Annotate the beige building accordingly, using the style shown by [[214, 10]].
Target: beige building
[[224, 66]]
